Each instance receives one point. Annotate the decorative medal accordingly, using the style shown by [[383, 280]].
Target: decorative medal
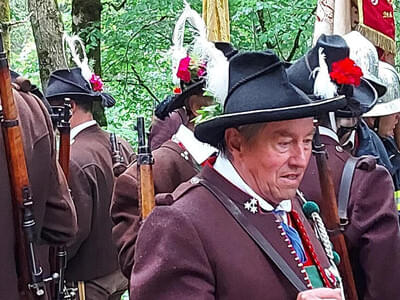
[[251, 205]]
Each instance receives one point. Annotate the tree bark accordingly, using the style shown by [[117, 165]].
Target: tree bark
[[47, 29], [4, 27], [86, 17]]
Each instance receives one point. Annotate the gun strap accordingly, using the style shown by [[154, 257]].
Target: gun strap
[[344, 188], [255, 235]]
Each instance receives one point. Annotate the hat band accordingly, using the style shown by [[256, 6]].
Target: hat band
[[252, 77]]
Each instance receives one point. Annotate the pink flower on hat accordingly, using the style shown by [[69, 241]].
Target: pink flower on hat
[[97, 83], [183, 69]]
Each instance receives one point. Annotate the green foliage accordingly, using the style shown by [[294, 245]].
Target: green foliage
[[136, 36]]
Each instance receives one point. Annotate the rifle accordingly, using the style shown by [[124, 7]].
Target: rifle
[[58, 255], [119, 165], [145, 173], [329, 212], [30, 274]]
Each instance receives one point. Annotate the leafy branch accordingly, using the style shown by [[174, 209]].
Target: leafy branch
[[143, 84]]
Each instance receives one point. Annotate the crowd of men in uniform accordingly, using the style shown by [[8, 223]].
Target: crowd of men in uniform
[[224, 188]]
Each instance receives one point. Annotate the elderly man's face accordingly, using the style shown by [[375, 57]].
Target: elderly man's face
[[273, 162]]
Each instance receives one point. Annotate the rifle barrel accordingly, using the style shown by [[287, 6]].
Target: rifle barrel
[[329, 212]]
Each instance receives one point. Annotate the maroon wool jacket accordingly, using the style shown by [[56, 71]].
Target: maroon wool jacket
[[372, 235], [54, 210], [194, 249], [170, 169], [91, 178]]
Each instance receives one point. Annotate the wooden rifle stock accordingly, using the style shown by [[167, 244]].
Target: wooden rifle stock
[[329, 212], [30, 281], [145, 173]]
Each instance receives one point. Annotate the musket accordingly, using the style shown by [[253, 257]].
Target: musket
[[119, 165], [329, 213], [30, 274], [58, 255], [145, 173]]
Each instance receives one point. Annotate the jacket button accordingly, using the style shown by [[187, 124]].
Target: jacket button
[[339, 149]]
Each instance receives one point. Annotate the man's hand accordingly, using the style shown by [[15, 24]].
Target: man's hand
[[321, 293]]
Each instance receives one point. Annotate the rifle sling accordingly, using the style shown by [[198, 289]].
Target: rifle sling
[[344, 189], [255, 235]]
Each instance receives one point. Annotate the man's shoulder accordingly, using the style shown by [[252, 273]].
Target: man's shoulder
[[187, 196]]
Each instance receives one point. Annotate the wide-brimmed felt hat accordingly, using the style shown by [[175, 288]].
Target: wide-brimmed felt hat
[[69, 83], [196, 87], [360, 98], [389, 103], [259, 91]]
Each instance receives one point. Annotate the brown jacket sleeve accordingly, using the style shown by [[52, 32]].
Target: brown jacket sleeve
[[83, 199], [170, 259], [125, 215], [54, 210], [169, 170], [374, 235]]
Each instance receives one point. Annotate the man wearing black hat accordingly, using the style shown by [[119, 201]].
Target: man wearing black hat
[[236, 230], [364, 189], [54, 211], [92, 259], [176, 160]]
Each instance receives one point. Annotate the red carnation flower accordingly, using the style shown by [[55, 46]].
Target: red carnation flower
[[346, 71], [97, 83], [183, 69]]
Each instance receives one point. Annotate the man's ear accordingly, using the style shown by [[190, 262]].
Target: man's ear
[[234, 142], [73, 106]]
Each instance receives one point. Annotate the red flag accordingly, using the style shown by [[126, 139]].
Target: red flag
[[376, 23]]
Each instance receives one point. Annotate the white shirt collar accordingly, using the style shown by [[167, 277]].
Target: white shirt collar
[[328, 132], [198, 150], [77, 129], [224, 167]]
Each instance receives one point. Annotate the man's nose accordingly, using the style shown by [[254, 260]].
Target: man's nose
[[300, 156]]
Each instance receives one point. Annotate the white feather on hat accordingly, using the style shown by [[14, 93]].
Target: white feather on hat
[[217, 65], [83, 64]]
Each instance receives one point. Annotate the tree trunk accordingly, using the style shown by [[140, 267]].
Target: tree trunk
[[47, 29], [86, 18], [4, 21]]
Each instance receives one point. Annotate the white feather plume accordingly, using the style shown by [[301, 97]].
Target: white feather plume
[[71, 42], [323, 85], [204, 50], [217, 76], [177, 50]]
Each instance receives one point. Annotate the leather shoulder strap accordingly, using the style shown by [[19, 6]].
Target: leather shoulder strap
[[255, 235], [344, 188]]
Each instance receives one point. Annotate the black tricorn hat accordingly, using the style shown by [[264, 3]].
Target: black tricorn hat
[[360, 99], [70, 83], [196, 88], [259, 91]]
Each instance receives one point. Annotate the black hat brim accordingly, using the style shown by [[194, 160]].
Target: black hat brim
[[212, 131], [74, 96], [179, 100], [377, 84]]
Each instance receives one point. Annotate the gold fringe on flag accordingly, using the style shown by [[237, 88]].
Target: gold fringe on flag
[[377, 38]]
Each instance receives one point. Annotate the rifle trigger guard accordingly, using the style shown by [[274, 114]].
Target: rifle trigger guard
[[9, 123]]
